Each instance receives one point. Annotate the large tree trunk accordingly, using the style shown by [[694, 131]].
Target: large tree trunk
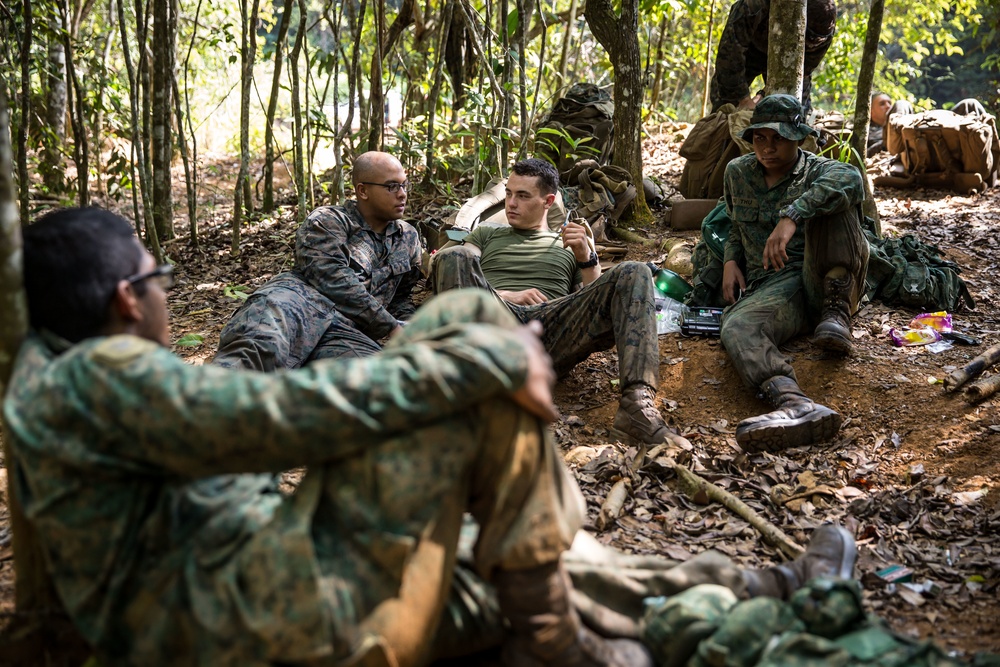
[[786, 47], [164, 22], [618, 33], [51, 167], [862, 109]]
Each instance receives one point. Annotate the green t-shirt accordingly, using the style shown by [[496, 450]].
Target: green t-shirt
[[515, 260]]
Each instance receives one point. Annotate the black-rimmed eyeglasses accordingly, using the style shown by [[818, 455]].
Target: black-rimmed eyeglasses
[[163, 274], [393, 188]]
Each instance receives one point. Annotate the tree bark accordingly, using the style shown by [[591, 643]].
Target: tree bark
[[298, 141], [567, 39], [862, 109], [272, 105], [708, 61], [162, 113], [618, 33], [376, 97], [786, 48], [242, 203], [51, 167], [432, 103], [99, 119], [22, 129], [192, 176]]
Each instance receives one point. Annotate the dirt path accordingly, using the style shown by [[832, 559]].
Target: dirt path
[[914, 472]]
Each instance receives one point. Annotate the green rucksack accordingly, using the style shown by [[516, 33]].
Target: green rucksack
[[579, 127], [907, 272]]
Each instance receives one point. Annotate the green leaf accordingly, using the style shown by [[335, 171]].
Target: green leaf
[[190, 340], [236, 292]]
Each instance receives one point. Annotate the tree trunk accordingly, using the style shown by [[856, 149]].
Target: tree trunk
[[162, 114], [272, 105], [654, 96], [618, 33], [22, 129], [298, 145], [242, 203], [189, 184], [192, 177], [99, 118], [708, 61], [376, 97], [152, 240], [786, 48], [51, 166], [862, 109], [432, 103], [567, 40]]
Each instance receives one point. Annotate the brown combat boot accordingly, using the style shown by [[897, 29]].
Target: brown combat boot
[[833, 333], [797, 421], [638, 418], [546, 630], [831, 553]]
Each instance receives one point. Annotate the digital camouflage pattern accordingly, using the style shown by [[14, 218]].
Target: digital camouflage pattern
[[616, 310], [742, 54], [777, 306], [139, 477], [349, 288]]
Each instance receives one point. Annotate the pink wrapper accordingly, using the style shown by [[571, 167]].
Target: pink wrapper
[[939, 321], [908, 337]]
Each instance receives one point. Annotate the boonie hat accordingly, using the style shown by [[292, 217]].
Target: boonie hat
[[781, 113]]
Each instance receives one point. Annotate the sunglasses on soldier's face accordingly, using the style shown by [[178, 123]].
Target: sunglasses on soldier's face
[[163, 274]]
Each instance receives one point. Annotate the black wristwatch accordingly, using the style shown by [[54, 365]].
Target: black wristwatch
[[590, 262]]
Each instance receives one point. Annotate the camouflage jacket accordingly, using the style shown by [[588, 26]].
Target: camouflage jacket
[[369, 277], [746, 31], [136, 474], [815, 186]]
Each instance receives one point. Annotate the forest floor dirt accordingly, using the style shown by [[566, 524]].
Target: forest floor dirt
[[914, 473]]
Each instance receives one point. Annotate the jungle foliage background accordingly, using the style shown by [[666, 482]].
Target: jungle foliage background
[[107, 95]]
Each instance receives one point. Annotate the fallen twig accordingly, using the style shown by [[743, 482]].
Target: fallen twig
[[962, 375], [980, 390], [612, 506], [691, 483]]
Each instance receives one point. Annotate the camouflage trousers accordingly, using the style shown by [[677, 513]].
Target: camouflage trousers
[[616, 310], [788, 303], [286, 324]]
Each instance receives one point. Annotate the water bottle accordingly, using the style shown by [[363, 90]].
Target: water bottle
[[668, 314]]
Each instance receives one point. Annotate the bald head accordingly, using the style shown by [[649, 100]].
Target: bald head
[[373, 166]]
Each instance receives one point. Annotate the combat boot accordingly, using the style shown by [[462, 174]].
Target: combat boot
[[831, 553], [833, 332], [797, 421], [638, 418], [546, 630]]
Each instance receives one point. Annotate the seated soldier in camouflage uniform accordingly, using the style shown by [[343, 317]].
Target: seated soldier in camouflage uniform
[[355, 268], [149, 485], [796, 255], [537, 274], [742, 54]]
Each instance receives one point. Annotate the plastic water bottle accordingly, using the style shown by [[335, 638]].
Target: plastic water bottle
[[668, 314]]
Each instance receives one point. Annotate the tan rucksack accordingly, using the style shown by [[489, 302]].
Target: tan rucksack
[[944, 149]]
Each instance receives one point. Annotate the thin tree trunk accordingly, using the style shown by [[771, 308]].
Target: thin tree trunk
[[162, 112], [189, 184], [618, 33], [567, 40], [272, 106], [522, 76], [708, 61], [376, 97], [193, 176], [430, 160], [538, 78], [786, 46], [54, 138], [145, 102], [297, 140], [242, 203], [99, 119], [862, 109], [152, 240], [337, 186], [654, 95], [22, 129]]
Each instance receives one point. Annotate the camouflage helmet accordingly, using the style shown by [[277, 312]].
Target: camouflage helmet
[[781, 113]]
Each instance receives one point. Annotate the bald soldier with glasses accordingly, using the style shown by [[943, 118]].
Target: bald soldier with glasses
[[355, 269]]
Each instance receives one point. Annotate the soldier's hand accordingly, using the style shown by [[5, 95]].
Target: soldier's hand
[[574, 238], [527, 297], [748, 102], [733, 282], [774, 250], [535, 395]]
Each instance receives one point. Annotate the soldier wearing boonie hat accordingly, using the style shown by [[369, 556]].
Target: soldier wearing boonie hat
[[795, 261]]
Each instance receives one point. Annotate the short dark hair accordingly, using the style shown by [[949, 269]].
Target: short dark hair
[[879, 94], [74, 259], [548, 177]]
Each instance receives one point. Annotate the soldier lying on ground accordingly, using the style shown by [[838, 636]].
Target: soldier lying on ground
[[742, 55], [796, 255], [355, 267], [883, 107], [149, 482], [539, 274]]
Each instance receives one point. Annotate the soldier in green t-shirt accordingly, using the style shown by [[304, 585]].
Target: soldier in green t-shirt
[[555, 278]]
